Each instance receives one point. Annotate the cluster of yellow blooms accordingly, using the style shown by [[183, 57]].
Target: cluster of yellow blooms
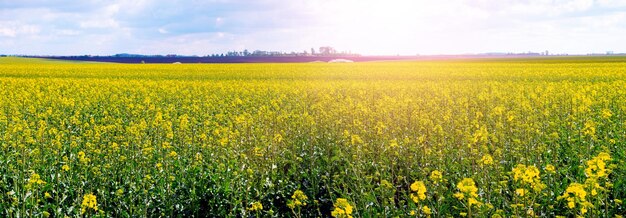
[[420, 191], [596, 167], [426, 210], [34, 180], [436, 176], [486, 160], [297, 199], [576, 193], [256, 206], [343, 209], [89, 202], [467, 190], [550, 168], [528, 176], [82, 158]]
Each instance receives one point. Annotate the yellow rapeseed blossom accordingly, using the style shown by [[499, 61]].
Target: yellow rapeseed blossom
[[89, 202], [34, 180], [256, 206], [420, 191], [575, 194], [467, 190], [426, 210], [596, 167], [297, 199], [82, 158], [521, 192], [528, 175], [486, 160], [173, 154], [343, 209], [550, 168], [436, 176], [525, 174]]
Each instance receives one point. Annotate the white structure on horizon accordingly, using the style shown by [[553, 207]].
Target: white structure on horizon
[[340, 61]]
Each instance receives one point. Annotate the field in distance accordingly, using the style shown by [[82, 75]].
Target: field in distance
[[478, 138]]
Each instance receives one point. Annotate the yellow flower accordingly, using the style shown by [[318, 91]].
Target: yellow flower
[[467, 189], [34, 180], [256, 206], [355, 139], [528, 175], [486, 160], [576, 194], [89, 202], [596, 167], [459, 195], [278, 138], [550, 168], [468, 186], [82, 158], [65, 168], [571, 204], [606, 113], [473, 201], [173, 154], [420, 189], [47, 195], [426, 210], [297, 199], [521, 192], [342, 209], [436, 176]]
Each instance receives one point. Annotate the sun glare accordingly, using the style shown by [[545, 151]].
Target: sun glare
[[372, 27]]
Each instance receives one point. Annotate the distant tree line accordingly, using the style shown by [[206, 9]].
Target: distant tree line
[[323, 51]]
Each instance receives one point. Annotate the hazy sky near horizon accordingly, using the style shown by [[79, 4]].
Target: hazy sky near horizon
[[384, 27]]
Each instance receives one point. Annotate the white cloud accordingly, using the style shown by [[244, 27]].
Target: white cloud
[[67, 32], [7, 32], [17, 29], [219, 21], [611, 3], [97, 23]]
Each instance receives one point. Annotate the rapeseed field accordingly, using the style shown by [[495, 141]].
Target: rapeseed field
[[471, 138]]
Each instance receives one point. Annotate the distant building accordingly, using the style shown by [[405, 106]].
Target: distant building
[[327, 50]]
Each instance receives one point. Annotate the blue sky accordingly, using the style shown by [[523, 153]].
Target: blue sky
[[386, 27]]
